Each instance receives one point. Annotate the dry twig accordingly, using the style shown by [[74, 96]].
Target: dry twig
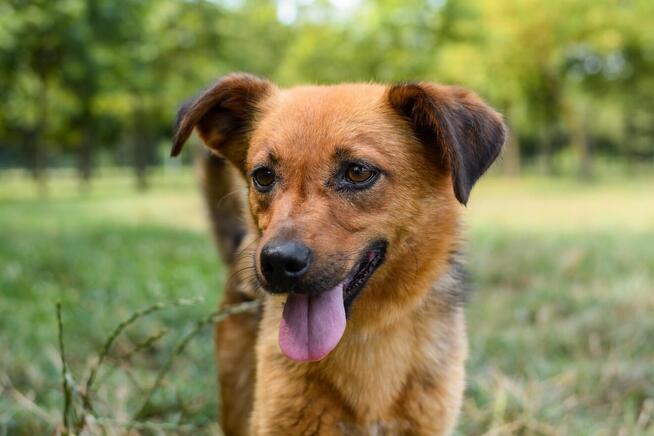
[[112, 337], [68, 397], [73, 395], [213, 318]]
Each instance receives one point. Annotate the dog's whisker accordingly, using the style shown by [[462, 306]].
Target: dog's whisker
[[229, 194]]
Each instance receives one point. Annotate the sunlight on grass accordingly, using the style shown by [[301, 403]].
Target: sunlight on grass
[[563, 205]]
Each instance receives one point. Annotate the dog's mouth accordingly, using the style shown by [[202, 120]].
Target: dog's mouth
[[312, 325], [363, 270]]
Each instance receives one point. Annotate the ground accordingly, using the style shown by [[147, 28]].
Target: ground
[[561, 326]]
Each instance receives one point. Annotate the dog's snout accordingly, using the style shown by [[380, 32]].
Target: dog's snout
[[284, 262]]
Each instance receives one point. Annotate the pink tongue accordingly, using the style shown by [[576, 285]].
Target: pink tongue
[[312, 326]]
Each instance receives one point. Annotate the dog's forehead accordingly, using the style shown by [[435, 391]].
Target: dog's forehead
[[307, 122]]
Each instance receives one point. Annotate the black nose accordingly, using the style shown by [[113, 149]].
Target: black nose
[[284, 262]]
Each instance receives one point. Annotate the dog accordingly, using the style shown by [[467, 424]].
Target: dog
[[339, 208]]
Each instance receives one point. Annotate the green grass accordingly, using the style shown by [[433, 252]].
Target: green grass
[[561, 326]]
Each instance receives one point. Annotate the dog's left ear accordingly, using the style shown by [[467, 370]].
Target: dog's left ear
[[223, 116], [468, 135]]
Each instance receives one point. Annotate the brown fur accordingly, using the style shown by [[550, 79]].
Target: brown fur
[[399, 368]]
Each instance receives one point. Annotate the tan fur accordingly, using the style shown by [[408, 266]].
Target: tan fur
[[399, 368]]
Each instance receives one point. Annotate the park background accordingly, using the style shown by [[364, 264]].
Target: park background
[[95, 216]]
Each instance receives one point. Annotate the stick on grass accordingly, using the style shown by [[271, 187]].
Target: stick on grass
[[68, 397]]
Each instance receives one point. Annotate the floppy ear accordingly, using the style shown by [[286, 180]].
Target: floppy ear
[[466, 133], [223, 116]]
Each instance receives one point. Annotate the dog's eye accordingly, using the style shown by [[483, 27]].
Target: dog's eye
[[356, 174], [263, 179]]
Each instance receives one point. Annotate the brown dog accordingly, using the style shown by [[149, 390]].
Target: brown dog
[[352, 242]]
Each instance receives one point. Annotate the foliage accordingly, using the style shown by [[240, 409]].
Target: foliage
[[99, 81]]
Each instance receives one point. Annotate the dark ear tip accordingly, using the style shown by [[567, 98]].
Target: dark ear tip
[[178, 141], [178, 144], [462, 197]]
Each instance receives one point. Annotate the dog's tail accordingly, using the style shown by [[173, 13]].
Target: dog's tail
[[236, 336], [224, 200]]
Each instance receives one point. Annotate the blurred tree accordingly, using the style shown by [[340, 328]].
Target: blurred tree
[[573, 77], [549, 67], [385, 40], [98, 31], [31, 55]]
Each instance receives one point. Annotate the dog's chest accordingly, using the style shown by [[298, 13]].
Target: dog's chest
[[371, 378]]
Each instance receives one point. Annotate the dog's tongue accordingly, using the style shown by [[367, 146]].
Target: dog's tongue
[[311, 326]]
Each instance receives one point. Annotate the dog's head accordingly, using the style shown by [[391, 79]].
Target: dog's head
[[354, 190]]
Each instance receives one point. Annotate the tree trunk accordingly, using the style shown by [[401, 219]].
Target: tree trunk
[[512, 156], [86, 158], [511, 153], [141, 149], [551, 97], [628, 138], [574, 119], [37, 142], [547, 136], [581, 143], [87, 148]]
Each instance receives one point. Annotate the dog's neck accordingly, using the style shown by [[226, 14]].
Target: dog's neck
[[408, 349], [443, 298]]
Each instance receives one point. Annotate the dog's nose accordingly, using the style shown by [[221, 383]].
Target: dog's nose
[[284, 262]]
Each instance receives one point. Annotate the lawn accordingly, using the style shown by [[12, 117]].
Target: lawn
[[561, 326]]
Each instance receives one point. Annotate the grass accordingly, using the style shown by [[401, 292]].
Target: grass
[[561, 326]]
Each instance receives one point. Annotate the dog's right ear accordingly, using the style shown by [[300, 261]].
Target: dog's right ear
[[223, 116], [466, 134]]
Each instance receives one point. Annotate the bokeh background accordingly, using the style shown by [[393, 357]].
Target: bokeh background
[[94, 215]]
